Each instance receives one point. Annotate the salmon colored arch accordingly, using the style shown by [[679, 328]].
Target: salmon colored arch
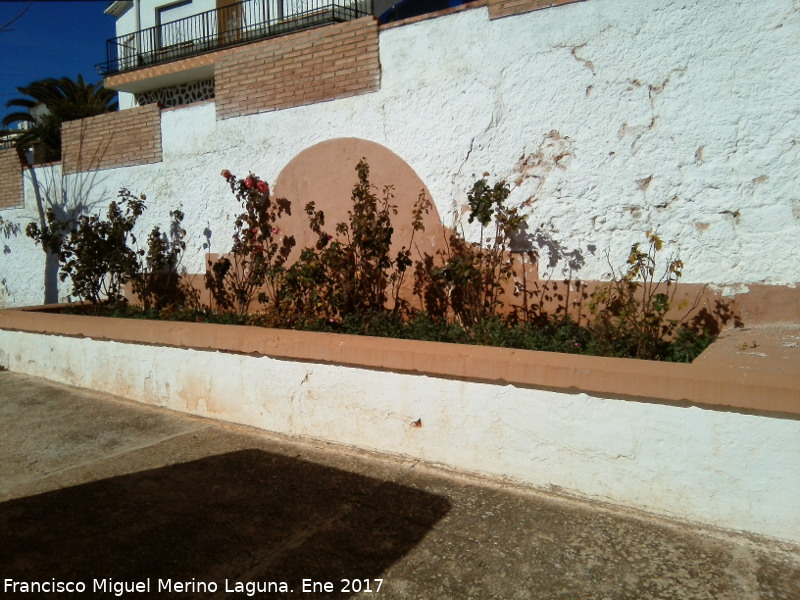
[[326, 174]]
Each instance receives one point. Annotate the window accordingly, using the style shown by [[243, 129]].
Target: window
[[172, 30]]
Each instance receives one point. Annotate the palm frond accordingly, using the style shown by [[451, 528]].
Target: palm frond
[[65, 99]]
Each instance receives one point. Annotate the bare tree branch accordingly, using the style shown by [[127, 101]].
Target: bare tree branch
[[12, 21]]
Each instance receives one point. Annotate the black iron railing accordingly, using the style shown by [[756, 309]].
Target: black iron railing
[[227, 26]]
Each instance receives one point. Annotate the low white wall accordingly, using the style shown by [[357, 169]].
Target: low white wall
[[724, 469], [611, 117]]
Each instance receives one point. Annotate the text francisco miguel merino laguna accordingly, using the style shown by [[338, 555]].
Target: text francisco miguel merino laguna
[[118, 588]]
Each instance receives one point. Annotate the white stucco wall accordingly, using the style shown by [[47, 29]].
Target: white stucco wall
[[22, 262], [719, 468], [610, 117], [21, 267], [148, 11], [142, 15]]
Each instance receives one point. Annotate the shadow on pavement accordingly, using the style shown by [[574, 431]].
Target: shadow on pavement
[[246, 516]]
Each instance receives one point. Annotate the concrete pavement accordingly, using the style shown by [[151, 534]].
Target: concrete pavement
[[103, 498]]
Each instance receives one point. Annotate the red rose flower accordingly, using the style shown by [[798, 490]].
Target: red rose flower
[[226, 174], [248, 183]]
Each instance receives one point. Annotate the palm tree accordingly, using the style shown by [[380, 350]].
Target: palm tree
[[49, 103]]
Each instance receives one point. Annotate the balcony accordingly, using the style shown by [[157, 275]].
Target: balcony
[[231, 25]]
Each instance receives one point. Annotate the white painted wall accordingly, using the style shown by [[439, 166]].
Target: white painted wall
[[148, 9], [719, 468], [611, 117], [22, 263], [142, 15]]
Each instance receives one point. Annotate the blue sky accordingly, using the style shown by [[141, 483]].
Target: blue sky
[[52, 39]]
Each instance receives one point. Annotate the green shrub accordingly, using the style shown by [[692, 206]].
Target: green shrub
[[95, 252], [158, 283], [468, 279], [350, 273], [350, 281], [258, 253], [629, 314], [100, 257]]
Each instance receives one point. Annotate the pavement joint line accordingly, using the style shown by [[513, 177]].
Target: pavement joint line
[[104, 459]]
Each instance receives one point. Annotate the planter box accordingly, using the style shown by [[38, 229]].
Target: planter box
[[715, 445]]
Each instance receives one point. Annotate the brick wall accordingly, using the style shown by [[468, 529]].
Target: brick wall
[[118, 139], [302, 68], [505, 8], [10, 179]]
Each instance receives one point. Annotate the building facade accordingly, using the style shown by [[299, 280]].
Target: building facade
[[609, 118]]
